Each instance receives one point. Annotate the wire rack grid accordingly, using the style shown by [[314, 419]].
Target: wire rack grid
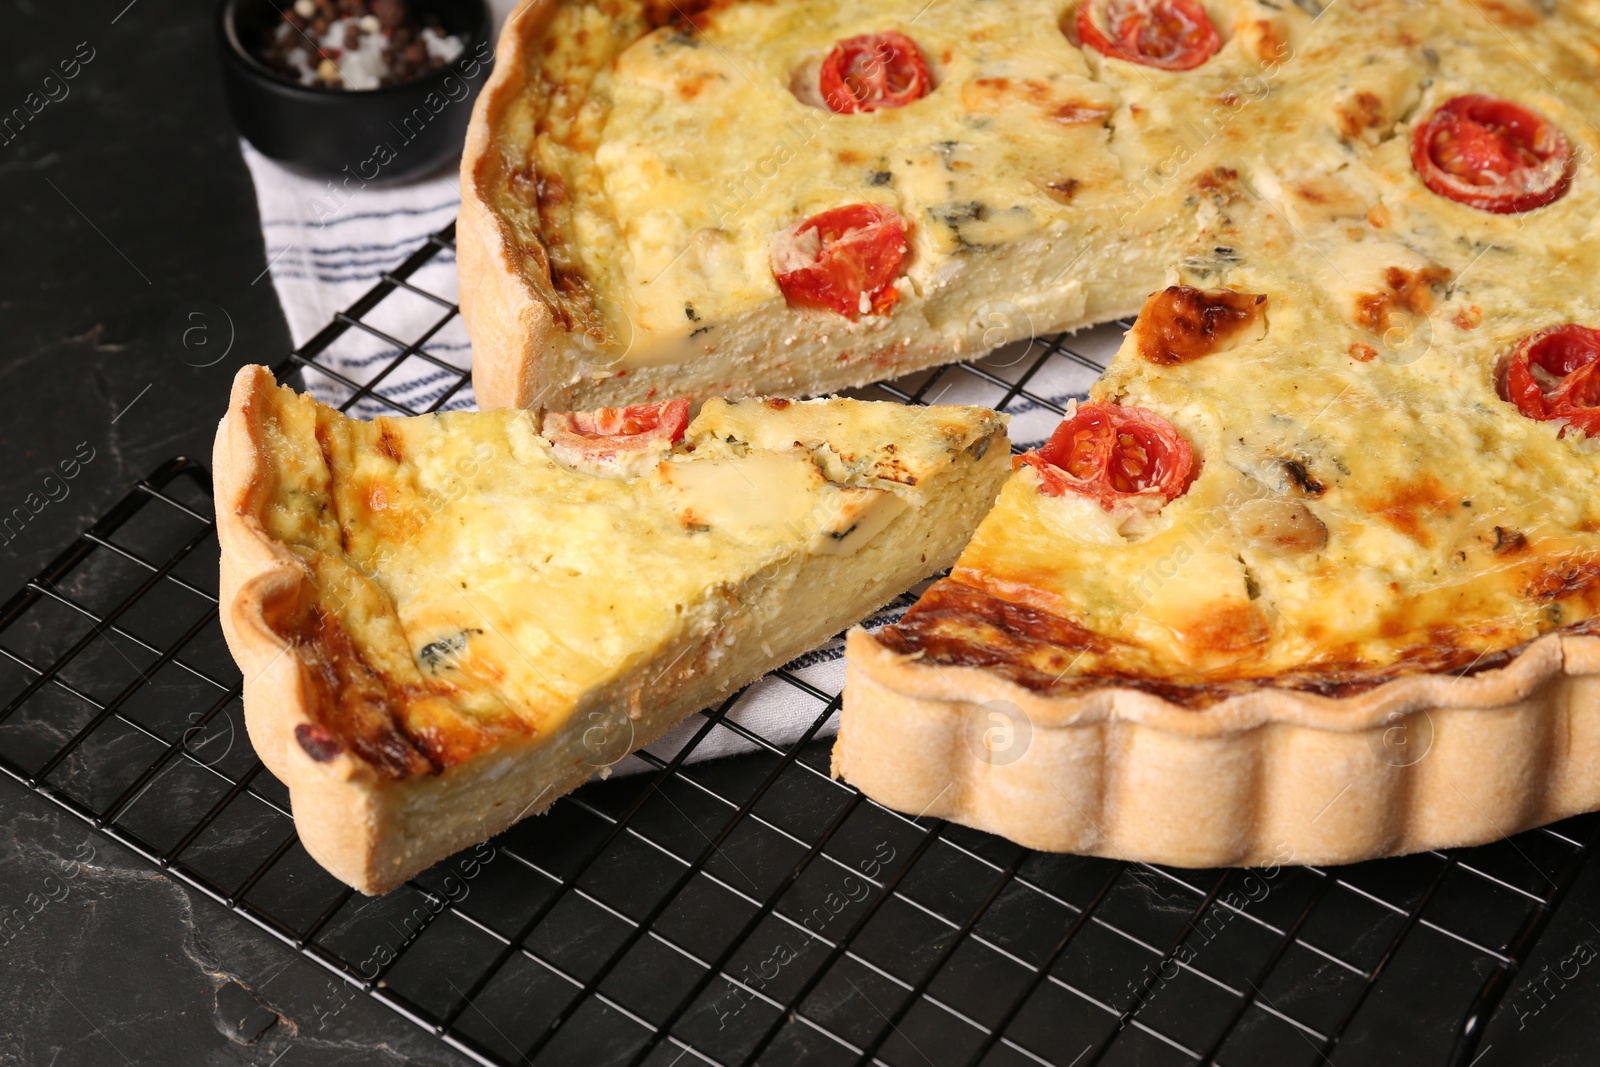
[[746, 909]]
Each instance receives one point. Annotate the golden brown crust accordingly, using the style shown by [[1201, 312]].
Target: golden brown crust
[[955, 624], [1269, 776], [260, 579], [512, 326], [510, 368], [369, 824]]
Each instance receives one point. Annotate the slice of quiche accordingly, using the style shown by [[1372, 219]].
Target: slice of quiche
[[447, 622]]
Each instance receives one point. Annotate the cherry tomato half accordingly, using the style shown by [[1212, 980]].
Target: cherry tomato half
[[1166, 34], [874, 71], [1493, 155], [845, 259], [1114, 453], [1555, 374], [610, 432]]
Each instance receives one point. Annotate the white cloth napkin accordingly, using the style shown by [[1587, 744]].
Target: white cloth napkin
[[327, 246]]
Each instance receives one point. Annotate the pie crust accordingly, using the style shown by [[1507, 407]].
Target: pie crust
[[1270, 776], [368, 829], [517, 343]]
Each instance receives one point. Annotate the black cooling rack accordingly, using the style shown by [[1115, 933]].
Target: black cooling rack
[[747, 909]]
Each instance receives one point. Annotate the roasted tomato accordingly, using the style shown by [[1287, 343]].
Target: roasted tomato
[[602, 436], [1166, 34], [1114, 454], [874, 71], [1553, 375], [1493, 155], [845, 260]]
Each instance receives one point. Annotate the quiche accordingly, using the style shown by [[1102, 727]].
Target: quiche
[[446, 622], [1314, 571]]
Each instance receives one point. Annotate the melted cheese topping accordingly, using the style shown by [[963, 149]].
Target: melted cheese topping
[[466, 584], [1366, 499], [708, 151], [664, 157], [671, 157]]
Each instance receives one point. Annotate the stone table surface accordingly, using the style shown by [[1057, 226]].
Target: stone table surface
[[126, 205]]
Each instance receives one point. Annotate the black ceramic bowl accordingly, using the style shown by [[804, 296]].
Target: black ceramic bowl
[[374, 136]]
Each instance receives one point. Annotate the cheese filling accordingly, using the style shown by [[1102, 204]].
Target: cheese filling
[[469, 585]]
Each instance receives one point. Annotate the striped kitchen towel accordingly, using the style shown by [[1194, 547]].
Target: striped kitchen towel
[[326, 244]]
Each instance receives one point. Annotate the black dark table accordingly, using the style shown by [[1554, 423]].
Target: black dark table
[[127, 208]]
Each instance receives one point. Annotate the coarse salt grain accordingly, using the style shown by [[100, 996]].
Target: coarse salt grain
[[361, 67], [441, 47]]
